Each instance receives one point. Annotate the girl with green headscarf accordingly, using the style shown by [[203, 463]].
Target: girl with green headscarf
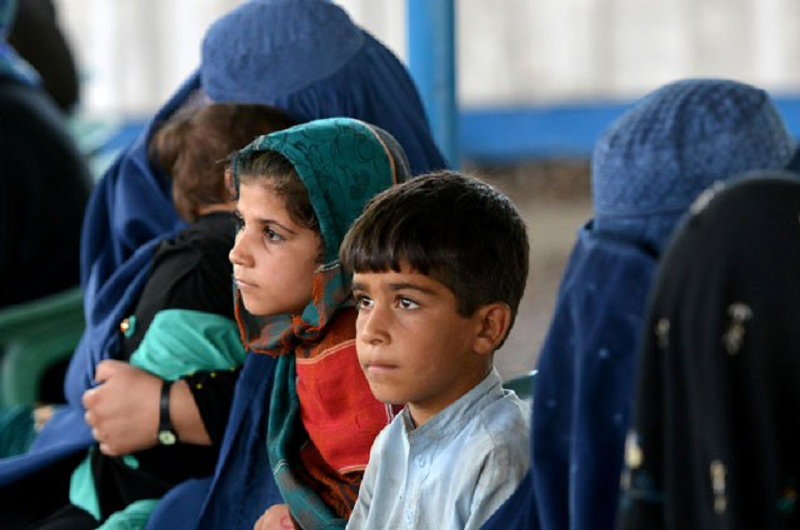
[[299, 191]]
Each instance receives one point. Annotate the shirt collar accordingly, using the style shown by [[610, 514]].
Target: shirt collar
[[456, 415]]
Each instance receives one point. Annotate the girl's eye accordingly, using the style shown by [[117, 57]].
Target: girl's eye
[[407, 303], [363, 302], [272, 236]]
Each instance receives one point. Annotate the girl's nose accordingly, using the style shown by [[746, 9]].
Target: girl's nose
[[240, 254]]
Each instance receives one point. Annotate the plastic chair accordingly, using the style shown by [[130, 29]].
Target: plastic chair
[[522, 385], [34, 337]]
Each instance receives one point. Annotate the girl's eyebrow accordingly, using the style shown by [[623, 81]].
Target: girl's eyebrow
[[264, 222]]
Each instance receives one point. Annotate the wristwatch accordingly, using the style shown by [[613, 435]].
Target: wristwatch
[[166, 432]]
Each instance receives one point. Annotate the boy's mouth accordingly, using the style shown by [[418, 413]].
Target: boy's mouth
[[379, 368]]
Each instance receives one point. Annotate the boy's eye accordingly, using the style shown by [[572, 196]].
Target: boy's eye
[[363, 302], [407, 303]]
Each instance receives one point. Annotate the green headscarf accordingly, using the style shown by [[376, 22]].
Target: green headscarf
[[343, 163]]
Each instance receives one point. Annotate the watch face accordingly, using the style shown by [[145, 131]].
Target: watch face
[[166, 437]]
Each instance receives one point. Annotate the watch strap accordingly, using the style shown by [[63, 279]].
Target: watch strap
[[166, 432]]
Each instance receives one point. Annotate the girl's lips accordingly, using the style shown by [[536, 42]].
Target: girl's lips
[[241, 284]]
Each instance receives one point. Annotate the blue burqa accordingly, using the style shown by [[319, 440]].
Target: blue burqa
[[647, 169]]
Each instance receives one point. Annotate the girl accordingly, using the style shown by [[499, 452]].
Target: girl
[[314, 419]]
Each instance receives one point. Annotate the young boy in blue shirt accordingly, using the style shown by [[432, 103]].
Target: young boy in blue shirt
[[440, 265]]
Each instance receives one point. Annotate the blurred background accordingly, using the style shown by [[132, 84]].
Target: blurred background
[[535, 83]]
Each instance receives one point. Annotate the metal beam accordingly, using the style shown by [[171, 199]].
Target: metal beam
[[431, 57]]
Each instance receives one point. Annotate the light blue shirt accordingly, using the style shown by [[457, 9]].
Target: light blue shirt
[[451, 473]]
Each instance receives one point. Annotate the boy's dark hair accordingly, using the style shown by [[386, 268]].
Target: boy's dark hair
[[456, 229], [274, 170], [191, 144]]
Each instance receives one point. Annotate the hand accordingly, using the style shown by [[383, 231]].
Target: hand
[[276, 517], [123, 412]]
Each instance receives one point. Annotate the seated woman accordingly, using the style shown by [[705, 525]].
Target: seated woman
[[647, 169], [180, 335], [714, 437], [331, 68]]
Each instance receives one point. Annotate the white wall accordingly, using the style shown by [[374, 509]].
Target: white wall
[[135, 52]]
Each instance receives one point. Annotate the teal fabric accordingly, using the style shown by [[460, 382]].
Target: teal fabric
[[180, 342], [343, 163], [82, 492], [177, 343], [133, 517], [16, 430]]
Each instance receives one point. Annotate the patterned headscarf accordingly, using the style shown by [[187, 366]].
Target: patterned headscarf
[[343, 163], [11, 64]]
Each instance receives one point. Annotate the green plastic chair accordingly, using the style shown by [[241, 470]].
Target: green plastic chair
[[522, 385], [35, 336]]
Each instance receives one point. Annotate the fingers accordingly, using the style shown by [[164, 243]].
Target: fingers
[[89, 398], [109, 450], [106, 369]]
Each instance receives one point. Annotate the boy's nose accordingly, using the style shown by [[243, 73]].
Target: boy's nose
[[240, 254], [371, 327]]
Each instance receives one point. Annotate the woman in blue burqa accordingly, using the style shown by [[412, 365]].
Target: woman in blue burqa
[[647, 169], [307, 59]]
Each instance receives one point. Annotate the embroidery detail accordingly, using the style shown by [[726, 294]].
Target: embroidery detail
[[633, 451], [718, 473], [662, 332], [739, 314]]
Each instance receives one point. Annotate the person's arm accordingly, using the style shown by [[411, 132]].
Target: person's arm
[[211, 399], [122, 425], [198, 407]]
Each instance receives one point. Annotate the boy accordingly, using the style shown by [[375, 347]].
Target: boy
[[440, 265]]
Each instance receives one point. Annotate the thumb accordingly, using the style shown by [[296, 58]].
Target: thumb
[[107, 369]]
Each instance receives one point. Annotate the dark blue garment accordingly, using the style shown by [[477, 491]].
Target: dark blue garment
[[131, 212], [584, 389]]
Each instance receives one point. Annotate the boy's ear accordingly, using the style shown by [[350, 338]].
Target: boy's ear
[[493, 322]]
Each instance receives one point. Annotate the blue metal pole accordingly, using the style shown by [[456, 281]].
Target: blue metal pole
[[431, 57]]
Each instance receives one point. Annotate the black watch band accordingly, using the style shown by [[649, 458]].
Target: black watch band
[[166, 432]]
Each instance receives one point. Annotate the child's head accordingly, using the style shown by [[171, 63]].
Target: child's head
[[298, 192], [284, 247], [440, 265], [191, 144]]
